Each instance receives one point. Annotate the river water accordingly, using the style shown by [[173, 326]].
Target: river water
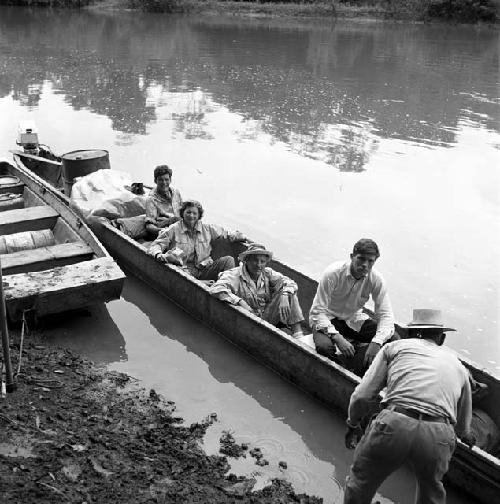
[[305, 136]]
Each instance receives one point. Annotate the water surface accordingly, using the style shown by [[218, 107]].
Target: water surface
[[305, 136]]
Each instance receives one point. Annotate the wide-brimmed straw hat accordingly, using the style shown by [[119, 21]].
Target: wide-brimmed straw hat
[[255, 249], [425, 318]]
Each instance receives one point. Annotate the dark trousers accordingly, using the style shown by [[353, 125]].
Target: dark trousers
[[213, 271], [365, 334], [325, 346], [392, 439]]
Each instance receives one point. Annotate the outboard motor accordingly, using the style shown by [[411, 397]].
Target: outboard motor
[[27, 137]]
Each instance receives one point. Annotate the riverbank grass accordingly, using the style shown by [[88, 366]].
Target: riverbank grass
[[457, 11]]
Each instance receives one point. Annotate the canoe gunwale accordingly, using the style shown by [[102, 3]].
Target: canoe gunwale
[[473, 470], [115, 240], [482, 469]]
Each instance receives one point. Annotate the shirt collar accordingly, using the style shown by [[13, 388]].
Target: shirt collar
[[185, 229], [161, 197], [347, 269], [247, 277]]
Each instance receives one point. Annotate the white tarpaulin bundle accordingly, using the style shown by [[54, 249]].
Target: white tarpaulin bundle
[[106, 193]]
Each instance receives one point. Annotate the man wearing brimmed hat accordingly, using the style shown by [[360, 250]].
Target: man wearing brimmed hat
[[340, 326], [261, 290], [428, 398]]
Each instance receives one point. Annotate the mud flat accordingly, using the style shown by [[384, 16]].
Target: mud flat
[[75, 432]]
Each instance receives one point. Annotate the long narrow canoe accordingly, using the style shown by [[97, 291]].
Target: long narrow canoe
[[49, 170], [474, 471], [51, 261]]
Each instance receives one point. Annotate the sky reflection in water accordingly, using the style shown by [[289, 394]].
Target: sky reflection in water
[[306, 137]]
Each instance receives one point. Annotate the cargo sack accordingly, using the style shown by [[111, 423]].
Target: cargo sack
[[135, 227], [26, 240], [90, 192]]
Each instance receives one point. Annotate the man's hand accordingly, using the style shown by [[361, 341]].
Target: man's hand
[[343, 345], [371, 351], [206, 262], [469, 439], [284, 308], [245, 305], [352, 436], [173, 259], [161, 257]]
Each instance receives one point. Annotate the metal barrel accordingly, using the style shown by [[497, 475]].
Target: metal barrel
[[80, 163]]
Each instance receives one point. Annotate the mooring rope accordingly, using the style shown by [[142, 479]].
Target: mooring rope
[[24, 327]]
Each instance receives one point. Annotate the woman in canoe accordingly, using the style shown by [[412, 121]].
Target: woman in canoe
[[261, 290], [163, 203], [188, 243]]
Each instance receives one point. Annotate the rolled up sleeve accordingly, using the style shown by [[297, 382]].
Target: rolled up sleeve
[[464, 409], [161, 243], [383, 314], [371, 384], [226, 286], [151, 212], [319, 316]]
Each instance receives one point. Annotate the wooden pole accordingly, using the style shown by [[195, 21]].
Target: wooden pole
[[11, 385]]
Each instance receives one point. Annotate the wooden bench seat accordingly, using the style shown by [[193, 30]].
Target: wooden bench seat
[[63, 288], [27, 219], [43, 258]]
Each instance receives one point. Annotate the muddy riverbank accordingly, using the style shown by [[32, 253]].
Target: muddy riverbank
[[75, 432]]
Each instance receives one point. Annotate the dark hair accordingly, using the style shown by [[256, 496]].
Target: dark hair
[[162, 170], [366, 246], [425, 332], [191, 203]]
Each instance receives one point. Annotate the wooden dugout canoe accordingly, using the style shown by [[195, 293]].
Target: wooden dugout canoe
[[51, 261], [474, 471]]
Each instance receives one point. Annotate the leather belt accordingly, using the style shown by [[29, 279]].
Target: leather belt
[[417, 415]]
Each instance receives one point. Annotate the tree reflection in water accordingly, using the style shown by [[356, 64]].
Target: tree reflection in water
[[328, 91]]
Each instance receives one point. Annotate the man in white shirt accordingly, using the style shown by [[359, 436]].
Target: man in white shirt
[[428, 398], [340, 326]]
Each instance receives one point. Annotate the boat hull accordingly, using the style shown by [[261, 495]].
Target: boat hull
[[69, 271], [474, 471]]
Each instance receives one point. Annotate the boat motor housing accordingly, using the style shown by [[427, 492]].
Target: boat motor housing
[[27, 135]]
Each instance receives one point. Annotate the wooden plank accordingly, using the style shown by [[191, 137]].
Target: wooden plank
[[27, 219], [60, 202], [9, 183], [63, 288], [43, 258], [11, 201]]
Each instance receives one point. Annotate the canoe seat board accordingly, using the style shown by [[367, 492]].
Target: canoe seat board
[[63, 288], [27, 219], [42, 258], [10, 185], [11, 201]]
